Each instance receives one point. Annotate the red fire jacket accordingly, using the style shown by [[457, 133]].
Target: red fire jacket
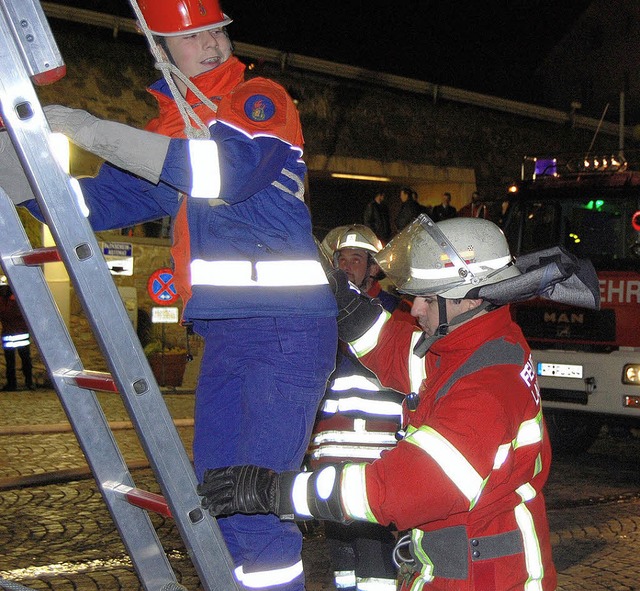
[[468, 476]]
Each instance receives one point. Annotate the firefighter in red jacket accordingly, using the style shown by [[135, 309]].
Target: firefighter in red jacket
[[358, 419], [467, 478]]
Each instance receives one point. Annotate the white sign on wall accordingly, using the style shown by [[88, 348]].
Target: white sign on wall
[[165, 314], [119, 257]]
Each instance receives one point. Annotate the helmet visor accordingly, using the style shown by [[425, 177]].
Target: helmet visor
[[421, 260]]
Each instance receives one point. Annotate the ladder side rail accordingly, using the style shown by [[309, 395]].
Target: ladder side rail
[[111, 325], [82, 408], [37, 45], [129, 366]]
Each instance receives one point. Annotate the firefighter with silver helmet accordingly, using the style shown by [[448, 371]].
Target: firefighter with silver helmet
[[466, 479], [358, 419], [352, 248], [224, 160]]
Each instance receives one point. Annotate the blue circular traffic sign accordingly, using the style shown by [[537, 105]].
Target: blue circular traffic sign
[[161, 287]]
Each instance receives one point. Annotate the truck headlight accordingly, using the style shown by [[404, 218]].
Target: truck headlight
[[631, 374]]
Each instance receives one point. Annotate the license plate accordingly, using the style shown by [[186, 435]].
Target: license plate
[[560, 370]]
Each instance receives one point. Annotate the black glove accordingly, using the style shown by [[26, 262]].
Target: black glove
[[357, 312], [247, 489]]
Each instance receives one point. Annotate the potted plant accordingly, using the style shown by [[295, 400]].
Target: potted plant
[[167, 362]]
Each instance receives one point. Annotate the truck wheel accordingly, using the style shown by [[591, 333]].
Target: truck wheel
[[571, 433]]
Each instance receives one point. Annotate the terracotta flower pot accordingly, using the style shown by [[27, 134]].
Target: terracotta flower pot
[[168, 368]]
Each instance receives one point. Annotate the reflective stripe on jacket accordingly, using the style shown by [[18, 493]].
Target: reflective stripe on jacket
[[358, 418]]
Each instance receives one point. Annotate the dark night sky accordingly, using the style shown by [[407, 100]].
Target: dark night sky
[[490, 47]]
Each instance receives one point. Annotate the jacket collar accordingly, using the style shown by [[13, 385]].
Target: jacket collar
[[474, 333], [214, 84]]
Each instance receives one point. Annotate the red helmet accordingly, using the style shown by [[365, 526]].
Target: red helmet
[[181, 17]]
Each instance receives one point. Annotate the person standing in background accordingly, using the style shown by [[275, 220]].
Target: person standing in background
[[410, 209], [427, 209], [445, 210], [376, 217], [15, 337], [475, 208]]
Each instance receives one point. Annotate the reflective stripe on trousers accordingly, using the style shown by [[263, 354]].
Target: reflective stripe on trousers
[[269, 578], [15, 341]]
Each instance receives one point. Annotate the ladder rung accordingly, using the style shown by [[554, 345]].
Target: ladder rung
[[47, 254], [50, 76], [90, 380], [141, 498]]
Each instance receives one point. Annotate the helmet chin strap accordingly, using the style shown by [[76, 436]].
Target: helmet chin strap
[[443, 320], [424, 342], [367, 276]]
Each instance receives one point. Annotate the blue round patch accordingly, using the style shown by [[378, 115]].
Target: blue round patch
[[259, 108]]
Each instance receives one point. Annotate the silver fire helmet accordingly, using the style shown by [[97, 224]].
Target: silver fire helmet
[[351, 236], [448, 258]]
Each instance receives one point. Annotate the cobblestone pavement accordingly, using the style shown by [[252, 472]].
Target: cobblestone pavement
[[58, 535]]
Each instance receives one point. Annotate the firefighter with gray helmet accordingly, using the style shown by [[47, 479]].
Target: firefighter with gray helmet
[[466, 479], [352, 248], [358, 419]]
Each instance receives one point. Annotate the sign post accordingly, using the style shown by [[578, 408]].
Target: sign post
[[162, 291]]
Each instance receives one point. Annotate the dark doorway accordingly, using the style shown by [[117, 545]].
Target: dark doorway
[[337, 202]]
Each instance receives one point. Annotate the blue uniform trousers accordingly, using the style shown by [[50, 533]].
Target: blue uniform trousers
[[259, 388]]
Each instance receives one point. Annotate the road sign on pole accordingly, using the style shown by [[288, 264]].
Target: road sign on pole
[[161, 287]]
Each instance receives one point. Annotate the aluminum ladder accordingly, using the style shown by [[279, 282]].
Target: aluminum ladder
[[29, 54]]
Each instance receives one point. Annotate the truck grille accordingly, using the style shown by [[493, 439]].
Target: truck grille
[[568, 325]]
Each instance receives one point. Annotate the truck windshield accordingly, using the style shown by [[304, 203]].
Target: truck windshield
[[596, 228]]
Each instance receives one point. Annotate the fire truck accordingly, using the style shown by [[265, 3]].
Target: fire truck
[[588, 362]]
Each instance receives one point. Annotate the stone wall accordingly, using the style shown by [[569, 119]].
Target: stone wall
[[340, 118], [149, 255]]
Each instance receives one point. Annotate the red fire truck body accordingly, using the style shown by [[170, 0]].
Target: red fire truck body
[[588, 362]]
